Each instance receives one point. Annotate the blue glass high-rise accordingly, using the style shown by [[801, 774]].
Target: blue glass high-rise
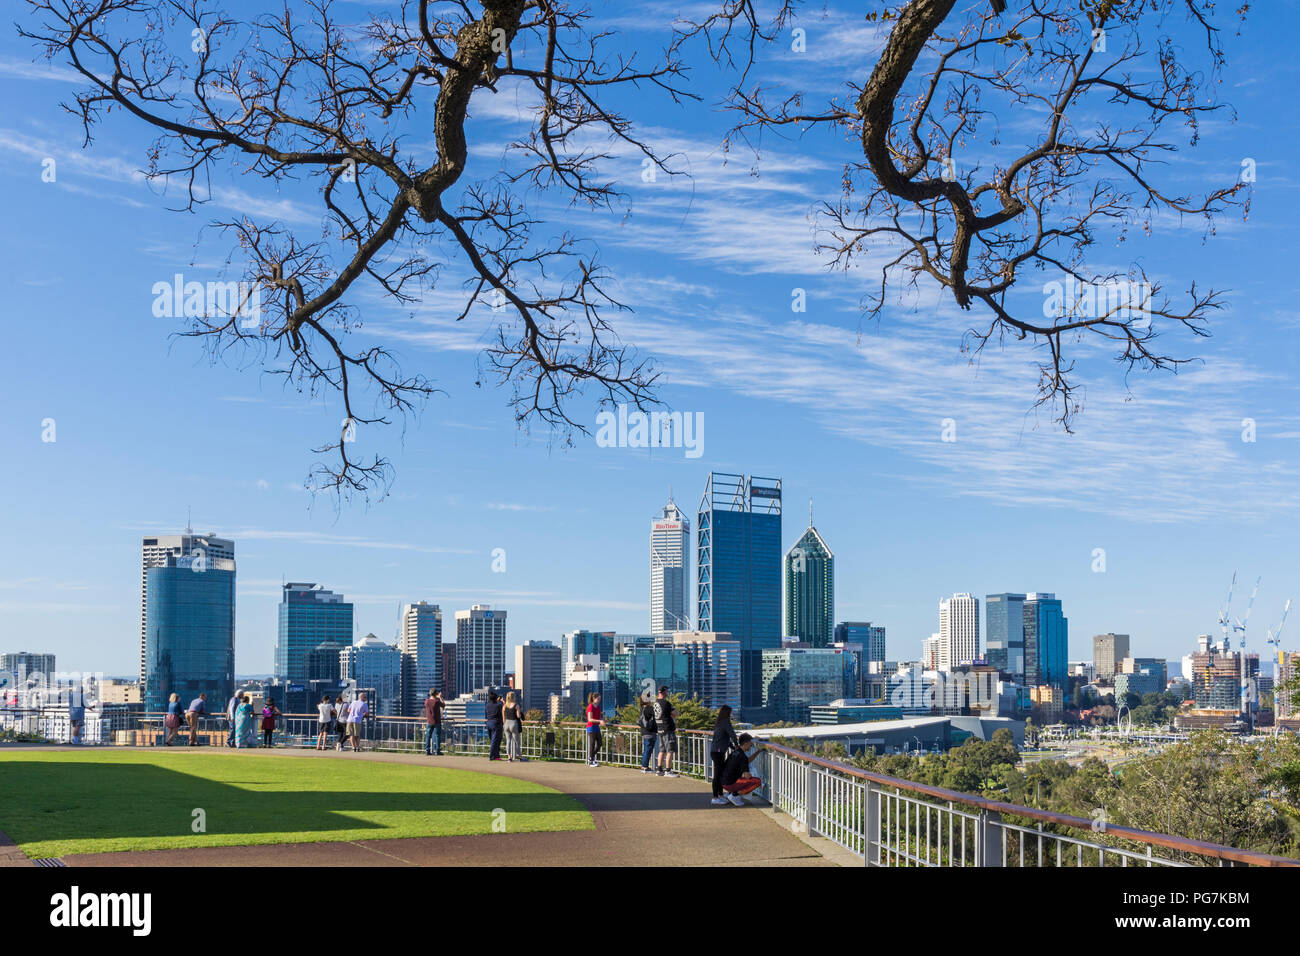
[[1047, 639], [738, 570], [308, 617], [189, 631]]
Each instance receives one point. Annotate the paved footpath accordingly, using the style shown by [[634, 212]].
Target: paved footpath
[[641, 820]]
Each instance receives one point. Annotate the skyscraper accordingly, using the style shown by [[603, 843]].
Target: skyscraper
[[715, 667], [480, 648], [640, 671], [189, 629], [738, 570], [24, 664], [376, 667], [154, 551], [810, 588], [1004, 619], [576, 644], [870, 636], [1108, 650], [309, 616], [670, 543], [538, 672], [959, 630], [1046, 640], [421, 648]]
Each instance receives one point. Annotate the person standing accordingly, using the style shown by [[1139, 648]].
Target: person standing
[[172, 720], [244, 733], [76, 715], [232, 706], [341, 722], [649, 732], [492, 721], [724, 741], [666, 726], [269, 713], [433, 706], [594, 722], [198, 708], [513, 716], [324, 721], [357, 711]]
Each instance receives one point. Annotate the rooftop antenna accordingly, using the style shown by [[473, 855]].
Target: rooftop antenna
[[188, 528], [810, 524]]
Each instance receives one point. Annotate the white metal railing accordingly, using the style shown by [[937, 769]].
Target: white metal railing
[[886, 821]]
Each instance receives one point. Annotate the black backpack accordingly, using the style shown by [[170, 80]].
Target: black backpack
[[646, 721]]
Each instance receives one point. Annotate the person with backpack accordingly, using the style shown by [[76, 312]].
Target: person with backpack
[[666, 727], [724, 741], [649, 732]]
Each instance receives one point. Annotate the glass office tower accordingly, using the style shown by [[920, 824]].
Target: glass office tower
[[189, 631], [309, 616], [738, 570], [641, 671], [810, 589], [1046, 641], [1004, 626]]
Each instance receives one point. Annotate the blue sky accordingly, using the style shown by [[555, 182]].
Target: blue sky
[[845, 410]]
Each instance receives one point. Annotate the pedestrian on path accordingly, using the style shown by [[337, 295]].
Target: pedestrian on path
[[198, 708], [172, 720], [324, 721], [594, 722], [724, 741], [666, 724], [433, 707], [649, 732], [269, 713], [492, 721], [513, 717]]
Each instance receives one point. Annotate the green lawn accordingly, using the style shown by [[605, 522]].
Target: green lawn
[[95, 801]]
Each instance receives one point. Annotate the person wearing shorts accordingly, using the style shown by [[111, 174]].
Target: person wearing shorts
[[666, 725], [357, 711]]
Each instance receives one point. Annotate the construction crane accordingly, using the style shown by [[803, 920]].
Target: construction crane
[[1224, 620], [1275, 639], [1240, 628]]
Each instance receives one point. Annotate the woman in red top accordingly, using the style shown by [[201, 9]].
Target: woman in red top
[[594, 723]]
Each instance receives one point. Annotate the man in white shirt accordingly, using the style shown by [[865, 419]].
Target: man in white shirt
[[357, 711]]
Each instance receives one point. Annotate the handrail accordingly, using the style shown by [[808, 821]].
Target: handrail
[[1165, 840]]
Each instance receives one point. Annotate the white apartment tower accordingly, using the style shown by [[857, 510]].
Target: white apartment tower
[[670, 542], [421, 647], [155, 549], [959, 630], [480, 648]]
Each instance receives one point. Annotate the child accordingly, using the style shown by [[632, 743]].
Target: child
[[736, 779]]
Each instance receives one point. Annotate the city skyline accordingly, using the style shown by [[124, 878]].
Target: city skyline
[[1175, 480]]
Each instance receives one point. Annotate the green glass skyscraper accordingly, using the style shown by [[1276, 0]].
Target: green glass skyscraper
[[810, 589]]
